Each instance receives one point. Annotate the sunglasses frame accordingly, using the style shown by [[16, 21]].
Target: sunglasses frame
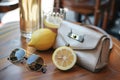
[[37, 65]]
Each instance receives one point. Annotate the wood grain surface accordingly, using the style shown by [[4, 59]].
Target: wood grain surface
[[10, 39]]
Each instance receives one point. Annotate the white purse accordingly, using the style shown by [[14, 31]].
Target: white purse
[[92, 47]]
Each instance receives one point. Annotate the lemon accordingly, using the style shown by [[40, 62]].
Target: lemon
[[42, 39], [52, 22], [64, 58]]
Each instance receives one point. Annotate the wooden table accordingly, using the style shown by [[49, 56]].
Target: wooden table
[[10, 39]]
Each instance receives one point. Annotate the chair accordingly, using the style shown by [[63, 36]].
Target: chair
[[85, 7], [8, 5]]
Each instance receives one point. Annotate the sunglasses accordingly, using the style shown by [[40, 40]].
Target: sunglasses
[[34, 62]]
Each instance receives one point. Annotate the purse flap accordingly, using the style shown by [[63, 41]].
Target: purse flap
[[79, 37]]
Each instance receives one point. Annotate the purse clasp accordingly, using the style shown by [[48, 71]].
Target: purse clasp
[[76, 37]]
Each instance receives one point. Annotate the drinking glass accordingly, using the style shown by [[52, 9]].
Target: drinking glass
[[30, 13], [52, 20]]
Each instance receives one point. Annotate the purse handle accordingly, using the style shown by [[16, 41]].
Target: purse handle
[[100, 30]]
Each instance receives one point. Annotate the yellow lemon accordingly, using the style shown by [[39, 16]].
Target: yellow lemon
[[52, 22], [42, 39], [64, 58]]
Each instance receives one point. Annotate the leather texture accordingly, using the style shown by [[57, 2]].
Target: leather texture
[[90, 46]]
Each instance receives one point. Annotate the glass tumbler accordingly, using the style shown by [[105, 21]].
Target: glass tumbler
[[53, 19], [30, 13]]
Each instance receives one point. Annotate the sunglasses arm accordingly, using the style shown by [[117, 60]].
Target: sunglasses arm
[[43, 69]]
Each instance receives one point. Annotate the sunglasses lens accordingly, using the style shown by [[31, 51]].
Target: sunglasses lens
[[17, 55], [35, 62], [13, 58], [35, 66], [32, 58], [20, 54]]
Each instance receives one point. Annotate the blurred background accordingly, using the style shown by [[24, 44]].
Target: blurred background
[[101, 13]]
